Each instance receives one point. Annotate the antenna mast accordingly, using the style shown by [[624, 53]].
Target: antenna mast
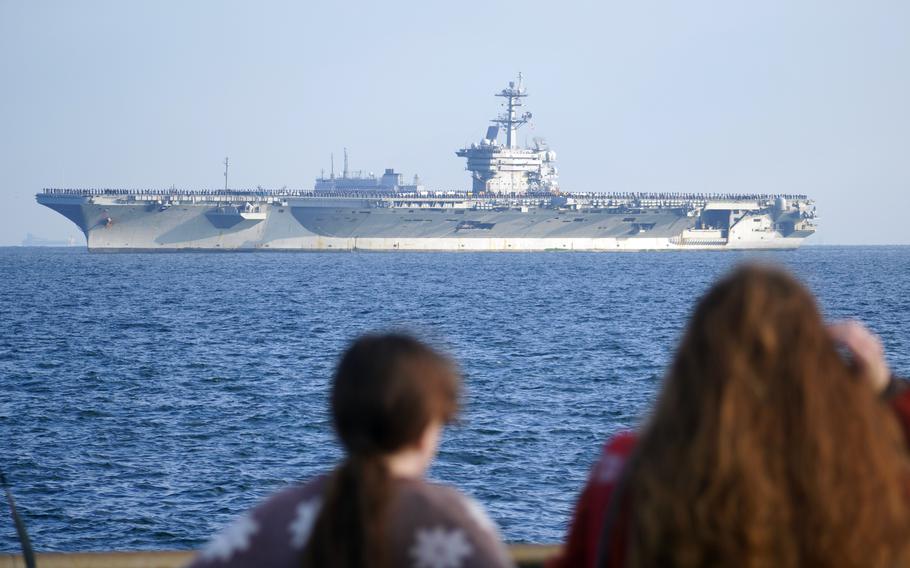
[[510, 118], [225, 173], [333, 166], [344, 174]]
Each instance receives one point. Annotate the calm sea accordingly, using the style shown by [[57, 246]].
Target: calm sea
[[147, 399]]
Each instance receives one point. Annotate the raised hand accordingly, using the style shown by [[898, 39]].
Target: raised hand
[[867, 350]]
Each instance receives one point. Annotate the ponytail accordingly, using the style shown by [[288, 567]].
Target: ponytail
[[348, 532]]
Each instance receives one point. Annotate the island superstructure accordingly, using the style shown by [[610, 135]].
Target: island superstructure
[[514, 203], [508, 168]]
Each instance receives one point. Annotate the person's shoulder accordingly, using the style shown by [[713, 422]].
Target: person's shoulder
[[270, 533], [434, 496], [453, 502], [621, 443], [613, 457], [293, 510], [291, 496], [438, 515]]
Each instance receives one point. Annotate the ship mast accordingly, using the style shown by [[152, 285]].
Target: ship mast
[[510, 119], [225, 173]]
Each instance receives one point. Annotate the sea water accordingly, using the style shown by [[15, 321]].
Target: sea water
[[149, 398]]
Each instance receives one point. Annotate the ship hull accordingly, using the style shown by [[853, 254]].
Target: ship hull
[[358, 225]]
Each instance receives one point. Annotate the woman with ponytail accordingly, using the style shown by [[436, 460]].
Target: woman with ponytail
[[390, 399]]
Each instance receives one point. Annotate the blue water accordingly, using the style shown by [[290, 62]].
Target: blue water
[[147, 399]]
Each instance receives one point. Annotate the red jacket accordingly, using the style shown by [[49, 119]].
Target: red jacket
[[583, 542]]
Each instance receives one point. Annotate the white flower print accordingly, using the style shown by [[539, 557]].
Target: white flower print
[[302, 526], [440, 548], [235, 538]]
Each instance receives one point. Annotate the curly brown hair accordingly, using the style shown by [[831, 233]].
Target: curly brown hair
[[765, 447]]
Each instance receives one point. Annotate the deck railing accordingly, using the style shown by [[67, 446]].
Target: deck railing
[[524, 555], [619, 196]]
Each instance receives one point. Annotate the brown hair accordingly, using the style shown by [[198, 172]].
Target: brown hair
[[387, 389], [765, 448]]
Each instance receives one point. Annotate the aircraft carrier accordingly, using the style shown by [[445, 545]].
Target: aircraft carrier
[[514, 204]]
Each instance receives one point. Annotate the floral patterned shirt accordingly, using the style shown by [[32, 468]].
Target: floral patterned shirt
[[431, 526]]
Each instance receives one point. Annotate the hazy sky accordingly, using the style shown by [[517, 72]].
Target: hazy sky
[[774, 96]]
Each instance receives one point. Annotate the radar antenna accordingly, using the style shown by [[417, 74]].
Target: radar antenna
[[510, 118]]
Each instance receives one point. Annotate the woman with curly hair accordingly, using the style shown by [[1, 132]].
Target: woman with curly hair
[[774, 442]]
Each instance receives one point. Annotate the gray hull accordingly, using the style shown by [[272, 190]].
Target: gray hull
[[118, 223]]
